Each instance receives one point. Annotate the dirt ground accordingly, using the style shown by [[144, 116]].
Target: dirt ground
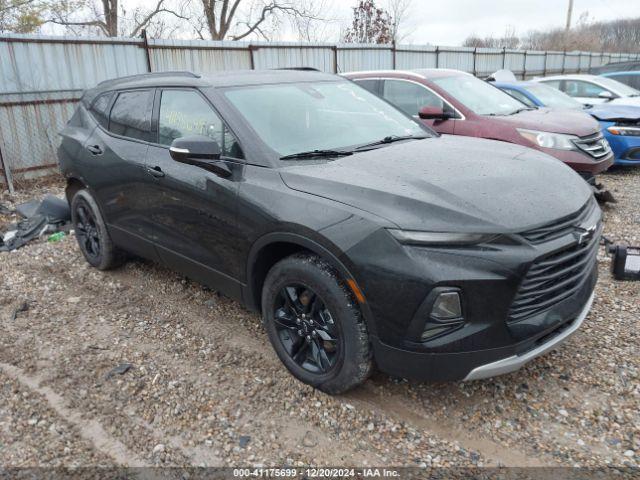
[[199, 384]]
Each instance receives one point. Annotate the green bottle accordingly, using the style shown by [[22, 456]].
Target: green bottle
[[56, 237]]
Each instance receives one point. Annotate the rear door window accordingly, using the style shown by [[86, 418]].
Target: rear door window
[[99, 109], [131, 115], [186, 112], [410, 97]]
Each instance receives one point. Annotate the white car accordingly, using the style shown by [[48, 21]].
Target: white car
[[593, 89]]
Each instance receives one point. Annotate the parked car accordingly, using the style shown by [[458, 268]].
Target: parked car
[[593, 89], [628, 66], [455, 102], [620, 124], [630, 78], [360, 234]]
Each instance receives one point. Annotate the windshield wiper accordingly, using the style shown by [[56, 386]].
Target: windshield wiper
[[390, 139], [524, 109], [317, 153]]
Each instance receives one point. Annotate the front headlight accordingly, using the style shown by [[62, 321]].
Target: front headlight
[[624, 131], [412, 237], [549, 140]]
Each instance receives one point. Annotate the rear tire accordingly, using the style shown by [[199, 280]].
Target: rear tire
[[91, 233], [315, 324]]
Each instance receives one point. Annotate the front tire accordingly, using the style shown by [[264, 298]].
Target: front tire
[[315, 324], [91, 233]]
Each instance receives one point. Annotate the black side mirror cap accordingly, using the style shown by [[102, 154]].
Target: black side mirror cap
[[199, 151], [194, 147]]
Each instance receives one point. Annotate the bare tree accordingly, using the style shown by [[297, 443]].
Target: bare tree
[[370, 24], [399, 12], [621, 35], [239, 19], [20, 16], [508, 40], [313, 28], [109, 17]]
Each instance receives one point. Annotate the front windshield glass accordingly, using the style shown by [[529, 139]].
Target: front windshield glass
[[618, 87], [478, 96], [553, 98], [300, 117]]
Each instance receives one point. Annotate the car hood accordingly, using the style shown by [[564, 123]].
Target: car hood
[[457, 184], [614, 113], [570, 122], [631, 101]]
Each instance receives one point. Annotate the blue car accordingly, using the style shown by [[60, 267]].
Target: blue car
[[620, 124]]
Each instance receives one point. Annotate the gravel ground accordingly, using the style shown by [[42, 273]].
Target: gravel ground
[[203, 387]]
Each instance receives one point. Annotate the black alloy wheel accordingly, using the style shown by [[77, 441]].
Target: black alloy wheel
[[87, 230], [91, 233], [306, 329]]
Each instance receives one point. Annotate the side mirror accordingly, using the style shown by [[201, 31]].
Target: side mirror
[[606, 95], [433, 113], [200, 151]]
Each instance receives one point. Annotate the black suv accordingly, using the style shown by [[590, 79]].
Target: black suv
[[361, 235]]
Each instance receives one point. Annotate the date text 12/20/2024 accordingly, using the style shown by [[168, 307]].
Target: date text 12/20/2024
[[315, 473]]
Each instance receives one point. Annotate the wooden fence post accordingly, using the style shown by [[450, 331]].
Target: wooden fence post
[[6, 173]]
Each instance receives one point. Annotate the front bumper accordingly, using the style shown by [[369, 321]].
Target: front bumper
[[514, 362], [484, 363], [581, 162], [626, 149], [505, 323]]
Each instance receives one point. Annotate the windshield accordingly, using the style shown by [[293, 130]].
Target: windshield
[[478, 96], [301, 117], [551, 97], [618, 87]]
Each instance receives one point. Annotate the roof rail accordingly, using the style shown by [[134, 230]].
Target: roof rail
[[177, 73], [301, 69]]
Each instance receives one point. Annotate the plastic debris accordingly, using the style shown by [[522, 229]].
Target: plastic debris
[[119, 370], [56, 237], [23, 307], [50, 215]]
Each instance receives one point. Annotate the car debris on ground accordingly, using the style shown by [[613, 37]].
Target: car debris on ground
[[49, 215]]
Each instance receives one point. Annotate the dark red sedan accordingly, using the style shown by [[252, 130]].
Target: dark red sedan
[[457, 103]]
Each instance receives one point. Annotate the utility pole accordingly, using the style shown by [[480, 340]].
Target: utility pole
[[569, 13]]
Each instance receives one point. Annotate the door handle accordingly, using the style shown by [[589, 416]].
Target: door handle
[[95, 149], [155, 171]]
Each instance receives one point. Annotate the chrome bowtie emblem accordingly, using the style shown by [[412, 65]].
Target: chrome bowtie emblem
[[583, 235]]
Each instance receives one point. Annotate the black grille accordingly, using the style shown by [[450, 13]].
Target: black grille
[[553, 278], [560, 227], [594, 145]]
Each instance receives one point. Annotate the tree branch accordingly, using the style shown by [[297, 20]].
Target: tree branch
[[266, 11], [145, 21], [89, 23]]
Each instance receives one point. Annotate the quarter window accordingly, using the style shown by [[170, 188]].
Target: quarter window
[[554, 84], [410, 97], [131, 115], [370, 84], [185, 112]]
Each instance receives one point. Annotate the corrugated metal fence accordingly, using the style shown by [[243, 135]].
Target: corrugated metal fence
[[42, 77]]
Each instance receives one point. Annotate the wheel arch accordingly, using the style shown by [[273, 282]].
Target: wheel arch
[[273, 247], [74, 185]]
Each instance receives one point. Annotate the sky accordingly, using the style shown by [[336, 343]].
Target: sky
[[449, 22]]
